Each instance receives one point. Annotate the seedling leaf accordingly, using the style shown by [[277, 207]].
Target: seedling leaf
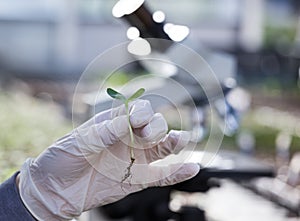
[[115, 94], [137, 94]]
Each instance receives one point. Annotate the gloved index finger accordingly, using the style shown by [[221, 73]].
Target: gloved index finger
[[140, 112]]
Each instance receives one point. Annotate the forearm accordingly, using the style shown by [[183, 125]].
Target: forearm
[[11, 205]]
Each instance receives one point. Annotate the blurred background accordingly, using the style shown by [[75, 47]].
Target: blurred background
[[46, 45]]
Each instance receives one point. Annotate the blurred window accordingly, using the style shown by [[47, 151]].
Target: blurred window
[[204, 13], [97, 11]]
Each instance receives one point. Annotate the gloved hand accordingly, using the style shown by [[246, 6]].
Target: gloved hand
[[85, 168]]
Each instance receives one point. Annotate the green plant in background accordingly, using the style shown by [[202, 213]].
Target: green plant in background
[[118, 78], [28, 126], [117, 95], [274, 35]]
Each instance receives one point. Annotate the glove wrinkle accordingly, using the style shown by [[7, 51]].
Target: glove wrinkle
[[85, 168]]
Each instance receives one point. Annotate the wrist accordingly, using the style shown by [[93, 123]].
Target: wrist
[[39, 200], [18, 181]]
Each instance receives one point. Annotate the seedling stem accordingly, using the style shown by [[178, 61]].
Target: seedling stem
[[117, 95]]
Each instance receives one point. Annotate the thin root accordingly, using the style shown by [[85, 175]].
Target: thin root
[[128, 170]]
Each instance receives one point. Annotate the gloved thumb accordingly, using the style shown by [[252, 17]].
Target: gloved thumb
[[102, 135]]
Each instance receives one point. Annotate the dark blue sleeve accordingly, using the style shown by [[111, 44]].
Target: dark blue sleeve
[[11, 205]]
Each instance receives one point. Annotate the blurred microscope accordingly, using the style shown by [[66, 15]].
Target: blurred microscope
[[230, 179]]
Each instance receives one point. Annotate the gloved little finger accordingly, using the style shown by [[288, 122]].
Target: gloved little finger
[[174, 174], [164, 175]]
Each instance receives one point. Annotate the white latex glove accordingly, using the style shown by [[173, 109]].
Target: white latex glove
[[85, 168]]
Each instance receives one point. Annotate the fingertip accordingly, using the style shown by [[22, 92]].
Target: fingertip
[[177, 173], [191, 169], [156, 129], [179, 139], [185, 172]]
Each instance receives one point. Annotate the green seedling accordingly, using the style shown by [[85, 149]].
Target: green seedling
[[117, 95]]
